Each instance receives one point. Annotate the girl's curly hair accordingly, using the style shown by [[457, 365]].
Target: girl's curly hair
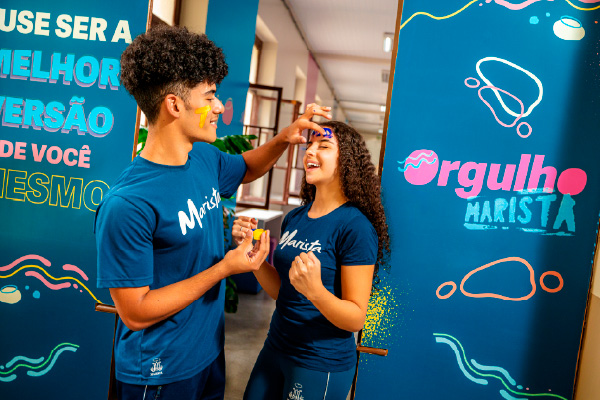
[[360, 184], [168, 60]]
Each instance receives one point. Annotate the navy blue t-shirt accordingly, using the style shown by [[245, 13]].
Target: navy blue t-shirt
[[159, 225], [298, 329]]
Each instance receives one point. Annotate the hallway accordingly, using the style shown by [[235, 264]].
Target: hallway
[[245, 333]]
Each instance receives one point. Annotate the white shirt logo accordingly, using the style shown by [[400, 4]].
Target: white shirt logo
[[286, 240], [296, 393], [189, 221], [156, 367]]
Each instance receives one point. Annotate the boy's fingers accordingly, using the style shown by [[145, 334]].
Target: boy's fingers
[[315, 127], [298, 140], [264, 246], [256, 247], [323, 113], [314, 109], [268, 240]]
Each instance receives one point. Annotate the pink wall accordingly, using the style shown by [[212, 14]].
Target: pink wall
[[312, 76]]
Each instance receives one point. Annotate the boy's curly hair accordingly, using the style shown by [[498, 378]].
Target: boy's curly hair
[[360, 183], [169, 60]]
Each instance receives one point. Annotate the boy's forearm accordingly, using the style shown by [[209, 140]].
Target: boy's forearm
[[260, 160], [140, 309]]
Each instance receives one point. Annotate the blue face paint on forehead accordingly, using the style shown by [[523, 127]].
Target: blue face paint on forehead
[[328, 133]]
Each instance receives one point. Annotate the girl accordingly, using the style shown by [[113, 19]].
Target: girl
[[323, 271]]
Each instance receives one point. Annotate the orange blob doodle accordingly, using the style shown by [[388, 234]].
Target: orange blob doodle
[[499, 296], [437, 292], [560, 282]]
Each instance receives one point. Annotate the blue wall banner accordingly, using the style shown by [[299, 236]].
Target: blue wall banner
[[492, 190], [232, 26], [67, 132]]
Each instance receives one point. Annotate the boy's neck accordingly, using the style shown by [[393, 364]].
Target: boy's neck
[[166, 145]]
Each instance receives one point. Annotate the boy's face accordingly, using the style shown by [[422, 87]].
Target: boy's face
[[202, 113]]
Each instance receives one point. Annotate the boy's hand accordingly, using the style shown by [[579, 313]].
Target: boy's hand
[[246, 257], [293, 133]]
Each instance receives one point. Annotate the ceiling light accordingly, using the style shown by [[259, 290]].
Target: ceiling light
[[380, 131], [382, 108], [388, 41]]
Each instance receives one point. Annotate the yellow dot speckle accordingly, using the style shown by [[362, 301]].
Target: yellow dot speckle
[[381, 318]]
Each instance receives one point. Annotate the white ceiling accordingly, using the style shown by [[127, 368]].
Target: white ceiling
[[346, 39]]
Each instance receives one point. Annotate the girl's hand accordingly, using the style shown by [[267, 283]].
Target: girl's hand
[[241, 226], [305, 275]]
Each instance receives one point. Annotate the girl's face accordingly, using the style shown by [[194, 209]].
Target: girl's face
[[321, 158]]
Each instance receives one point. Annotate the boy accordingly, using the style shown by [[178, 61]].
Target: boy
[[159, 230]]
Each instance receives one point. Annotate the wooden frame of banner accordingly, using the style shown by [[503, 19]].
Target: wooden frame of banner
[[586, 317], [390, 85], [112, 381], [139, 111], [359, 347]]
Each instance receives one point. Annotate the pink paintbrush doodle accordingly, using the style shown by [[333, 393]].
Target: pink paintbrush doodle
[[45, 282], [27, 257]]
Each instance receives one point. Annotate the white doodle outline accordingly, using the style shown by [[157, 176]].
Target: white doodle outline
[[531, 75]]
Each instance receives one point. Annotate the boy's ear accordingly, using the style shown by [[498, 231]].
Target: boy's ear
[[172, 105]]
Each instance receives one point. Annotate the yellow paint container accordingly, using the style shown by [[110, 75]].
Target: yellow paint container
[[256, 234]]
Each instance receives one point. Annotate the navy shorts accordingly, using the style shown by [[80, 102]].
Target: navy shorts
[[276, 377], [208, 384]]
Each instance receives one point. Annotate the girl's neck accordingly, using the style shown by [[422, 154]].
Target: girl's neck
[[327, 199]]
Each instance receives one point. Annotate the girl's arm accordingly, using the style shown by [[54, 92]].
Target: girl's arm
[[347, 313], [266, 275], [268, 278]]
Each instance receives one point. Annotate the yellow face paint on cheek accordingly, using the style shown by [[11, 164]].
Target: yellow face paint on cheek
[[203, 111]]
